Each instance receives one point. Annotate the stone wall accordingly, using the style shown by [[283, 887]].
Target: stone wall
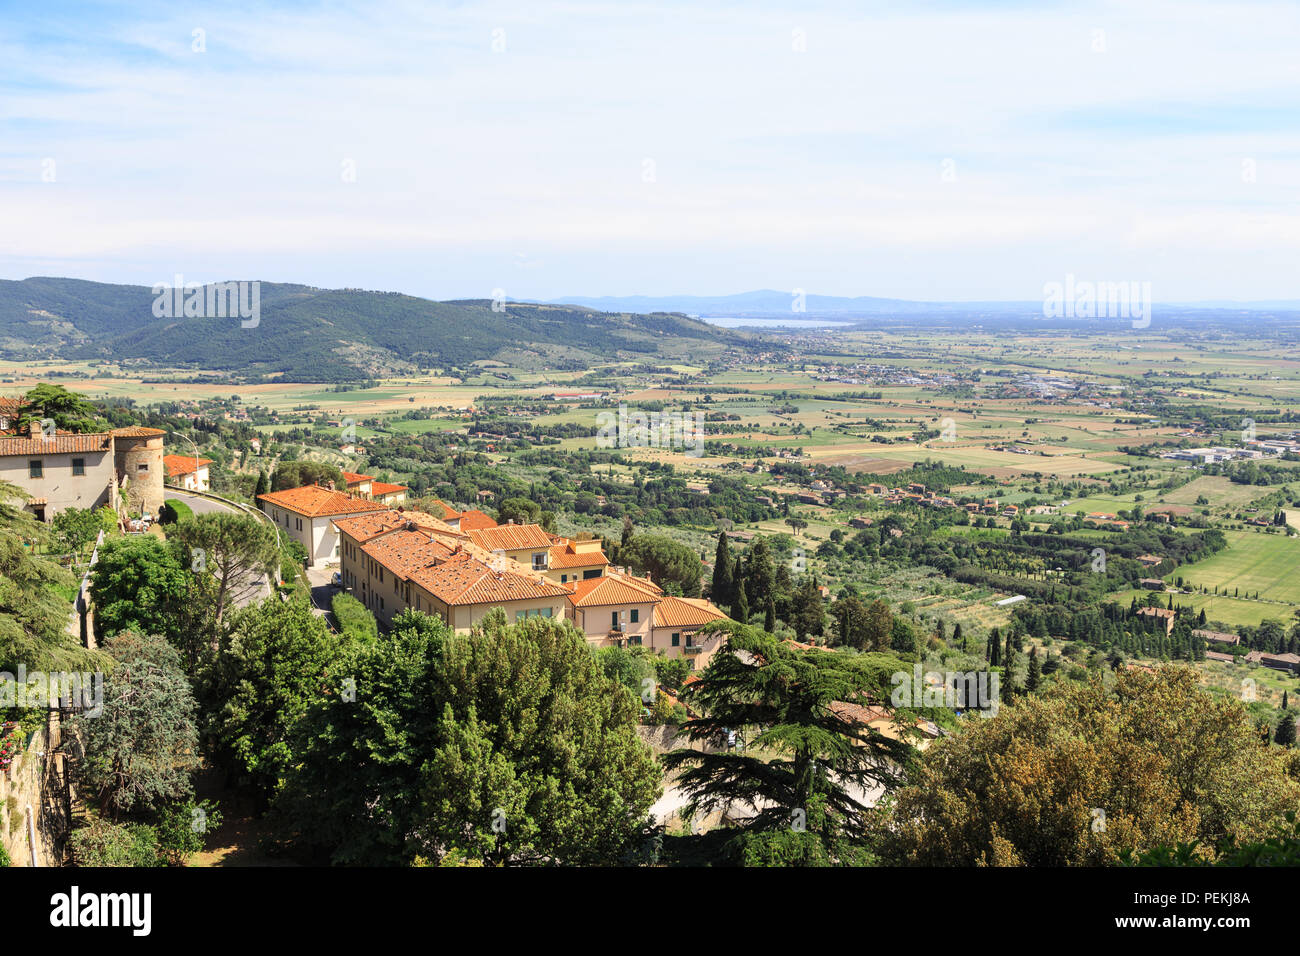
[[35, 780]]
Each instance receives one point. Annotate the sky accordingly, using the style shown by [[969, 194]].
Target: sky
[[923, 150]]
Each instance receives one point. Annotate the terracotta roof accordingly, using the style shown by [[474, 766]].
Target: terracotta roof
[[686, 612], [57, 445], [448, 512], [508, 537], [352, 478], [563, 556], [313, 501], [137, 431], [384, 488], [475, 520], [464, 579], [611, 589], [364, 527], [178, 465], [404, 552]]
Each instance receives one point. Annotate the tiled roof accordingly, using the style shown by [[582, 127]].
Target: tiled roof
[[464, 579], [57, 445], [563, 556], [313, 501], [137, 431], [508, 537], [611, 589], [448, 512], [404, 552], [178, 465], [686, 612], [383, 488], [352, 478], [475, 520]]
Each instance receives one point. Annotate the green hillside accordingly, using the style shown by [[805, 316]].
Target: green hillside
[[309, 334]]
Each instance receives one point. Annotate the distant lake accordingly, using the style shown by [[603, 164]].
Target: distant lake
[[736, 322]]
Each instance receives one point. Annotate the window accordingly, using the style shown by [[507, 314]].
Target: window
[[546, 612], [690, 640], [634, 640], [78, 466], [591, 574], [35, 469], [636, 615], [613, 620], [142, 468], [677, 640], [539, 561]]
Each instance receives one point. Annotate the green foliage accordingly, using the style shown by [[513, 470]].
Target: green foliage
[[101, 843], [512, 724], [34, 611], [778, 848], [231, 550], [77, 528], [274, 664], [295, 474], [69, 410], [174, 510], [354, 618], [138, 585], [1281, 849], [183, 827], [667, 561], [1164, 761], [140, 752], [808, 755], [5, 859]]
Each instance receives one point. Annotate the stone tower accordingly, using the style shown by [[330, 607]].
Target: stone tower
[[138, 460]]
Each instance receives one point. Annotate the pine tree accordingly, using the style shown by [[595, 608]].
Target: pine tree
[[769, 618], [722, 567], [1285, 734], [1035, 676], [740, 608]]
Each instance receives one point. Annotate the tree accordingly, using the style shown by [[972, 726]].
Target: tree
[[1285, 733], [68, 410], [273, 665], [263, 486], [138, 585], [295, 474], [807, 614], [34, 613], [141, 750], [722, 579], [816, 751], [769, 616], [878, 632], [1035, 676], [77, 528], [234, 549], [1163, 760], [667, 561], [759, 575], [507, 745], [740, 609], [520, 511]]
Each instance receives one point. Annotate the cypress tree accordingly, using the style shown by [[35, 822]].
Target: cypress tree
[[722, 572], [769, 618], [740, 608]]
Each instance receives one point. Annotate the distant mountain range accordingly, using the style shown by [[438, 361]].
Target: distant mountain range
[[769, 303], [325, 335]]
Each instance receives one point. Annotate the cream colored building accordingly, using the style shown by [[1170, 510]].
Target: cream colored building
[[188, 473], [307, 514]]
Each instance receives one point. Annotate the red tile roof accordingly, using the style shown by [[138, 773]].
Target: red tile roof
[[56, 445], [475, 520], [178, 465], [509, 537], [686, 612], [352, 478], [137, 431], [463, 579], [563, 556], [384, 488], [612, 589], [313, 501]]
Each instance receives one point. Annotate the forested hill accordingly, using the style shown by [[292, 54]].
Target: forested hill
[[310, 334]]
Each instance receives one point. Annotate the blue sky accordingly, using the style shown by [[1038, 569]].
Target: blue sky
[[924, 150]]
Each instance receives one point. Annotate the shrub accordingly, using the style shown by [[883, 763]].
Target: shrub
[[110, 844], [174, 510], [354, 618]]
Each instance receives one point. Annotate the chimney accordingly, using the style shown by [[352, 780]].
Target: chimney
[[34, 430], [329, 484]]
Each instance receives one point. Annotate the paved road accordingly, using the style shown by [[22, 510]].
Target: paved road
[[255, 587]]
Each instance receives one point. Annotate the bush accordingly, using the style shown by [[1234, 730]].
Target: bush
[[183, 827], [354, 618], [110, 844], [174, 510], [4, 858]]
